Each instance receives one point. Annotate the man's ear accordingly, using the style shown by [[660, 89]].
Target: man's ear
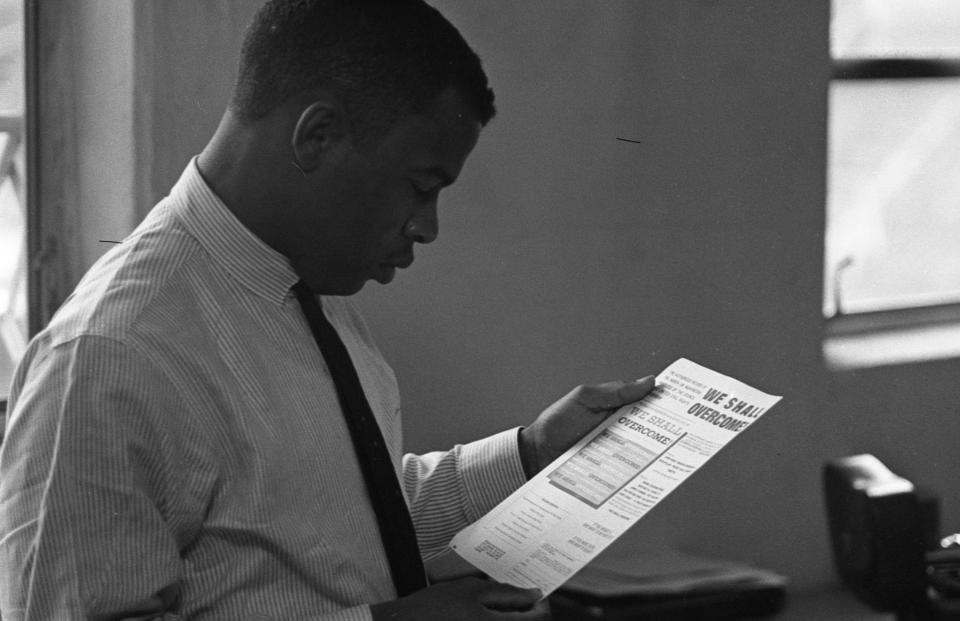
[[320, 128]]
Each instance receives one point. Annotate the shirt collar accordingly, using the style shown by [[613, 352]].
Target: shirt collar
[[229, 243]]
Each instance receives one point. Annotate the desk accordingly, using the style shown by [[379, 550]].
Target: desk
[[622, 585], [828, 605]]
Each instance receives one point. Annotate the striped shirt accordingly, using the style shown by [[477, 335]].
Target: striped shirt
[[175, 448]]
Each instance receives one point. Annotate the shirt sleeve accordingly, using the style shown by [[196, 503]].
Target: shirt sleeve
[[91, 490], [82, 488], [451, 489]]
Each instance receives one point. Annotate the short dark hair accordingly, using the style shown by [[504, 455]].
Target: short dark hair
[[384, 59]]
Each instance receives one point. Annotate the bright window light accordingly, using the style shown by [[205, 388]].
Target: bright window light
[[895, 28], [893, 206], [13, 307]]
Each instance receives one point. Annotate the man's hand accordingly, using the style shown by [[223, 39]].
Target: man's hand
[[569, 419], [466, 599]]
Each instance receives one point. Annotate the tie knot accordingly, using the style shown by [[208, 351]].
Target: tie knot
[[301, 287], [305, 294]]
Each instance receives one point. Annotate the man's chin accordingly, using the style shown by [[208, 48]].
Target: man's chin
[[385, 274]]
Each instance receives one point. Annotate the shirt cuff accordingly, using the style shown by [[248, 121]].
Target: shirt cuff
[[491, 470]]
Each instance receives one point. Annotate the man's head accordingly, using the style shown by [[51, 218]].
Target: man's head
[[348, 118], [383, 59]]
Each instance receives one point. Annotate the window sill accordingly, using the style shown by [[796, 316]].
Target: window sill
[[887, 338]]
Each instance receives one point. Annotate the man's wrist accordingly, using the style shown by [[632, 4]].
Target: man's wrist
[[528, 453]]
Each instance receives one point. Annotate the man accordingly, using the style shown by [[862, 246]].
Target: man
[[178, 445]]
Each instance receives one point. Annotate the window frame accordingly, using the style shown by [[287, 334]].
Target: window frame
[[31, 134]]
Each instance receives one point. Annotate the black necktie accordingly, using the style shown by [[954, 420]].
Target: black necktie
[[393, 516]]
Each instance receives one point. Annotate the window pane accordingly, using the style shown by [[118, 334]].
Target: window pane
[[13, 315], [895, 28], [893, 202]]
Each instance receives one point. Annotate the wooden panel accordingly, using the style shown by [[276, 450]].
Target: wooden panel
[[53, 221]]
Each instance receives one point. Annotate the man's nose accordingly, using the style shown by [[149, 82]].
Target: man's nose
[[423, 227]]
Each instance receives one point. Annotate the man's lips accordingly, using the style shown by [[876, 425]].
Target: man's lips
[[401, 262]]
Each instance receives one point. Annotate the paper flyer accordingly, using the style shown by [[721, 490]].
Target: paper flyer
[[568, 513]]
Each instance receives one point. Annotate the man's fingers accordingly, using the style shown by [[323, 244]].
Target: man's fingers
[[636, 390], [612, 395]]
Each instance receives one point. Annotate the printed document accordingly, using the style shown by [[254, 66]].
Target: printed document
[[562, 518]]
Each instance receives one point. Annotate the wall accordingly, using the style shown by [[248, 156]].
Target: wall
[[567, 255], [187, 52], [105, 115]]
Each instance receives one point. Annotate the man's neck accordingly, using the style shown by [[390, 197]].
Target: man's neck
[[242, 168]]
